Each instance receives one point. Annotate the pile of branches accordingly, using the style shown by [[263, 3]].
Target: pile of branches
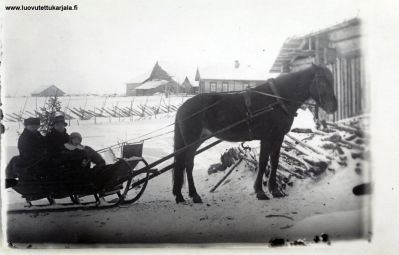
[[299, 159]]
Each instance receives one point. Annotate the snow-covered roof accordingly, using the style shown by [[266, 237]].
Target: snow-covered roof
[[152, 84], [242, 72], [140, 78], [192, 82]]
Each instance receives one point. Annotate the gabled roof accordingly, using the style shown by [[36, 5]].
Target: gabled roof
[[190, 83], [231, 72], [41, 89], [156, 73], [159, 73], [152, 84], [140, 78]]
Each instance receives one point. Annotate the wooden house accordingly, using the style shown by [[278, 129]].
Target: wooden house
[[48, 91], [339, 48], [190, 87], [156, 81], [231, 78]]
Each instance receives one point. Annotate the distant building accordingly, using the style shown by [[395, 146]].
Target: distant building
[[233, 78], [157, 81], [189, 87], [339, 48], [48, 91]]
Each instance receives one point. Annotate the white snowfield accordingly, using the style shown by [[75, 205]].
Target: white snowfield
[[230, 214]]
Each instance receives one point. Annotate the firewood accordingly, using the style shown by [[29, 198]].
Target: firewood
[[309, 147], [301, 130], [345, 145], [335, 138], [350, 138], [356, 131], [297, 159], [329, 146], [293, 173], [352, 145]]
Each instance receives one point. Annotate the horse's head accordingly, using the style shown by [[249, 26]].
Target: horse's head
[[322, 89]]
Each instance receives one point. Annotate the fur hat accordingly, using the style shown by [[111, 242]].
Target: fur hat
[[59, 119], [75, 135], [32, 121]]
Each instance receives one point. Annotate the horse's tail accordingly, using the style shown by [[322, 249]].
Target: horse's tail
[[180, 166]]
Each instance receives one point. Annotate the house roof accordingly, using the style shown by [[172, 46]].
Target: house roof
[[192, 83], [41, 89], [230, 72], [292, 46], [140, 78], [152, 84], [157, 72]]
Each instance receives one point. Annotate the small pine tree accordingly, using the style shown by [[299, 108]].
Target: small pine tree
[[48, 112]]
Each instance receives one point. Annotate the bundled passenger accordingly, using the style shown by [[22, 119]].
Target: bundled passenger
[[31, 143], [32, 151], [80, 155], [57, 136]]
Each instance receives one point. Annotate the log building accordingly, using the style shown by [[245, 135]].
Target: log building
[[339, 48]]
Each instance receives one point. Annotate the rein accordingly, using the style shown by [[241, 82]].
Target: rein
[[248, 118]]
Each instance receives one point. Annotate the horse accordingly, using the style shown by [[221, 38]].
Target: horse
[[208, 114]]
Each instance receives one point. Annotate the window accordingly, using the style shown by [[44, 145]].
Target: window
[[225, 87], [213, 86], [219, 87]]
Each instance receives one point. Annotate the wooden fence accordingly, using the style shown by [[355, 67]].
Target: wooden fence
[[110, 112]]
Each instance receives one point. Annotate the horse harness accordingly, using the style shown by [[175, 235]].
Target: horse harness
[[248, 103]]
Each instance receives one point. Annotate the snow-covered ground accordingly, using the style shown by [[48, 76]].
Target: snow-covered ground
[[230, 214]]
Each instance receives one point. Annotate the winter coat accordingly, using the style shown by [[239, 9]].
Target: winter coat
[[80, 156], [94, 156], [55, 141], [32, 147]]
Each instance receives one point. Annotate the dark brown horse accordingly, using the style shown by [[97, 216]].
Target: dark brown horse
[[208, 113]]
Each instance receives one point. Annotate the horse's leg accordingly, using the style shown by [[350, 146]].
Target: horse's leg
[[178, 178], [189, 170], [263, 159], [274, 158]]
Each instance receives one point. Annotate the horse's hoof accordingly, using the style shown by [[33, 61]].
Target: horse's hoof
[[197, 199], [261, 196], [180, 199]]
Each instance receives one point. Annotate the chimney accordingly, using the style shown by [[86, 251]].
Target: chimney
[[236, 64]]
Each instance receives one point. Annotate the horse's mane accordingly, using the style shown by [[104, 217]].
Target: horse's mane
[[286, 78]]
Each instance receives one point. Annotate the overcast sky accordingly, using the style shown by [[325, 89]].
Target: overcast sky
[[106, 43]]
